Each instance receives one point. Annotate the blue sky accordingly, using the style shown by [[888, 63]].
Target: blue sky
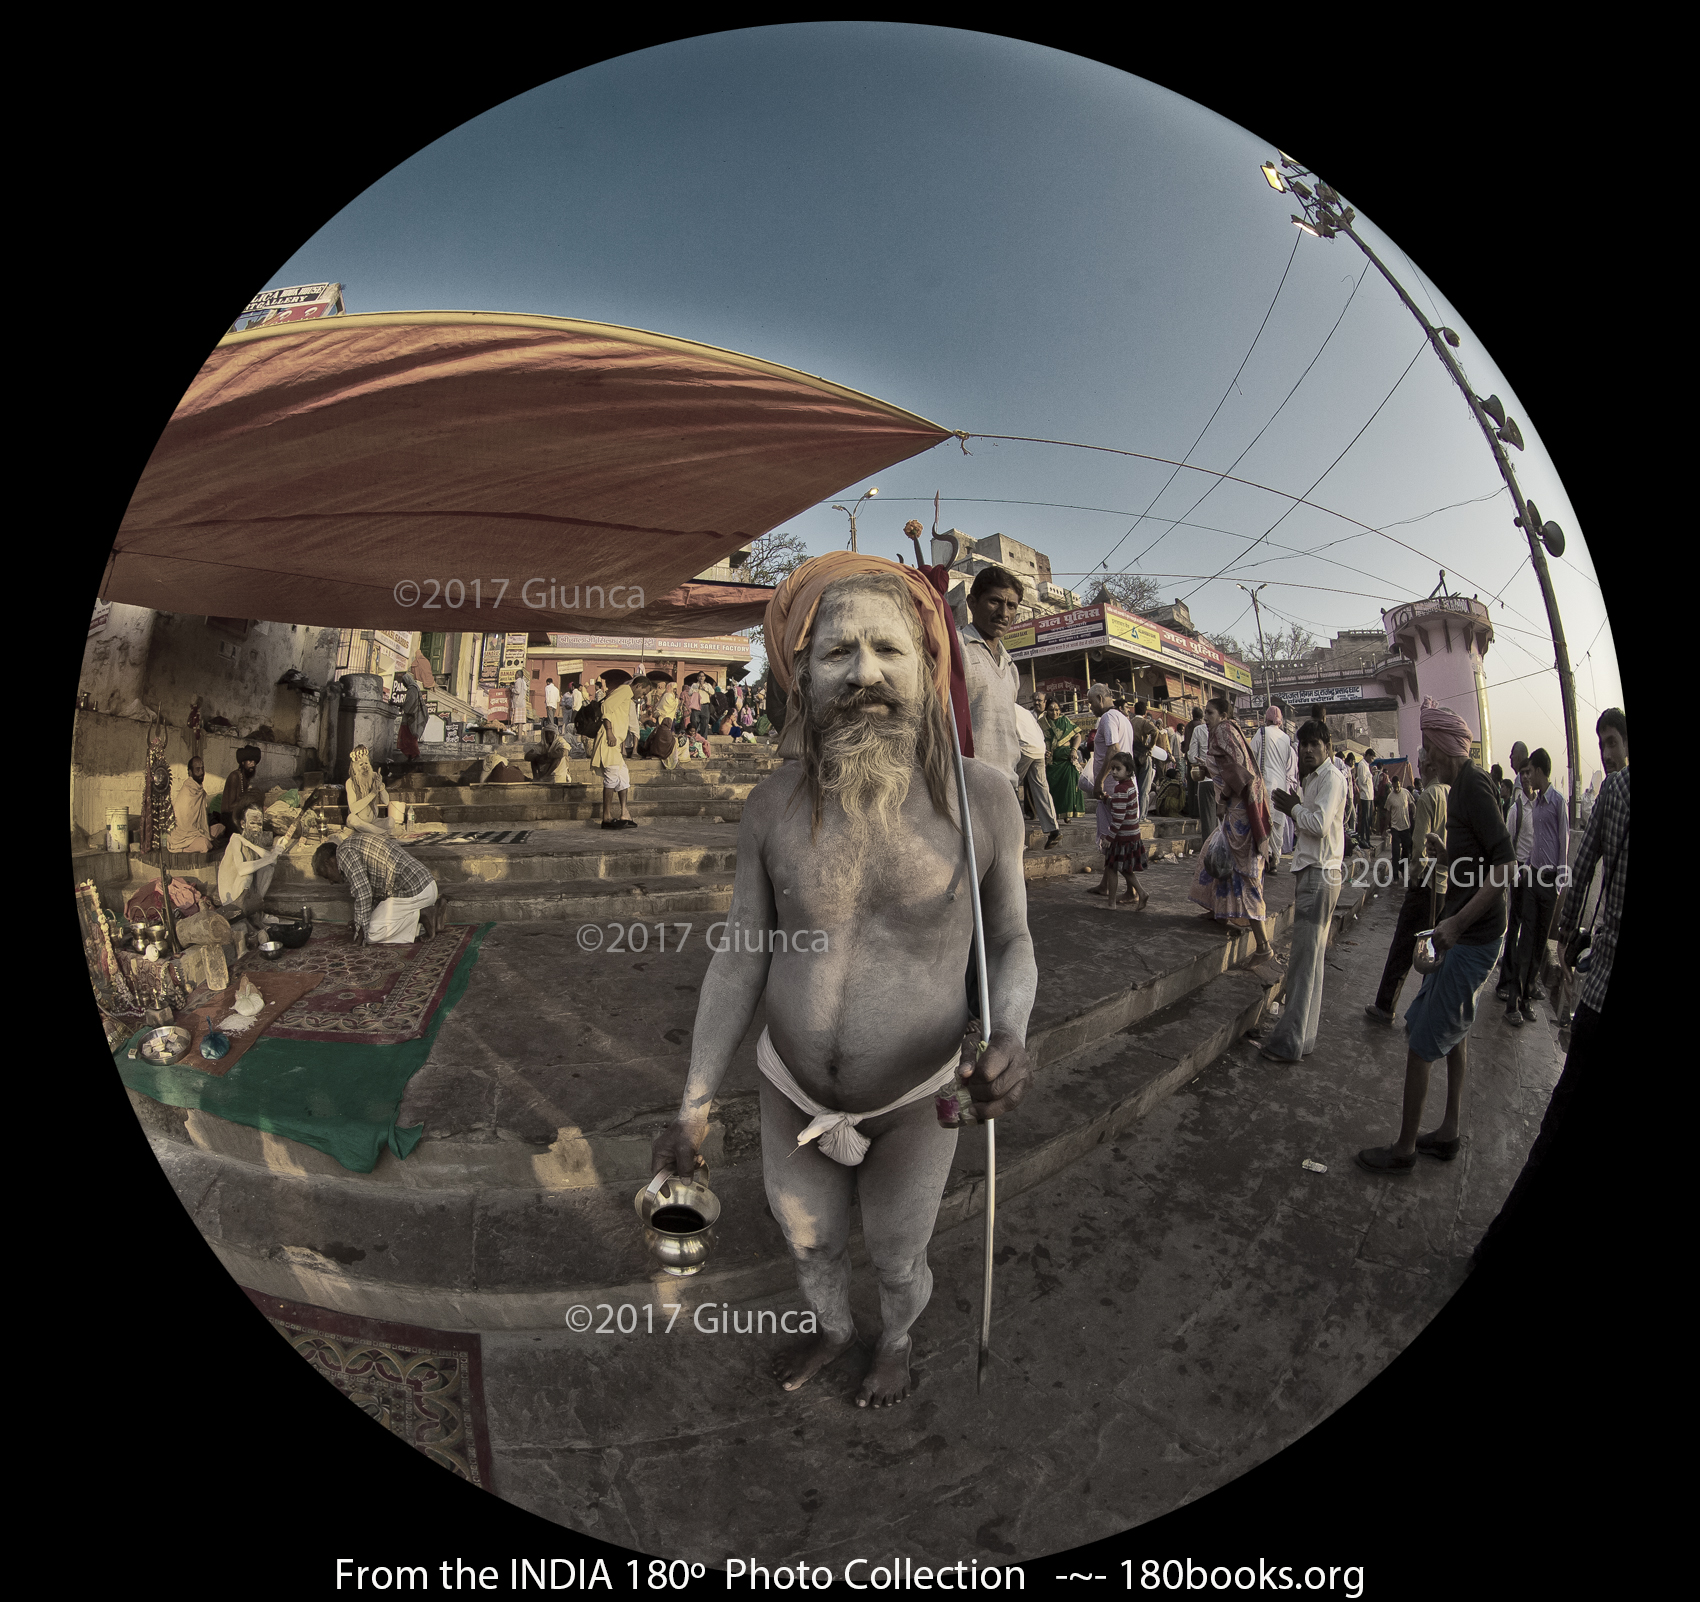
[[1006, 238]]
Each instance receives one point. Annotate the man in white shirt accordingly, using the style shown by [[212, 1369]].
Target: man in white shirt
[[1277, 765], [577, 701], [994, 681], [551, 701], [1320, 816], [1363, 776], [1114, 733], [1147, 753], [1197, 740]]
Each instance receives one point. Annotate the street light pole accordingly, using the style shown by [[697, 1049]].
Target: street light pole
[[1262, 649], [851, 511], [1327, 215]]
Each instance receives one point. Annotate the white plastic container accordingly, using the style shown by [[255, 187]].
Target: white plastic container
[[118, 829]]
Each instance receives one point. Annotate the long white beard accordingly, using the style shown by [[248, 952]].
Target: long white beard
[[867, 766]]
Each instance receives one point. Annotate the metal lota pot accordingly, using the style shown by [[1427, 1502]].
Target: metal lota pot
[[678, 1217]]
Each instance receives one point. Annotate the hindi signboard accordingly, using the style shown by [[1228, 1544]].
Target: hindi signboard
[[728, 645], [293, 304], [1324, 695], [513, 658], [1058, 633]]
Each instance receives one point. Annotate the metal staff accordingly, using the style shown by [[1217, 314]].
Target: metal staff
[[985, 1037]]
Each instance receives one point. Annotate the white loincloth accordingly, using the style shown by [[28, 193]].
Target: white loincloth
[[840, 1139]]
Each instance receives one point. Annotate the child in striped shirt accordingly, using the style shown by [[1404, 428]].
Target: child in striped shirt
[[1124, 847]]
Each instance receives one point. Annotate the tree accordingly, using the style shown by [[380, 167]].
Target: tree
[[1229, 646], [1133, 592], [773, 559], [1294, 644]]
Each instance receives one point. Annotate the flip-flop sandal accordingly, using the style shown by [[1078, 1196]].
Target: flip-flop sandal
[[1445, 1150]]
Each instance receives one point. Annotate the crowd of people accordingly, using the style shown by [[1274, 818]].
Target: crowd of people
[[1490, 880]]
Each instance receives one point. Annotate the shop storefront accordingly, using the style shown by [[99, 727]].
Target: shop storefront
[[571, 659], [1064, 653]]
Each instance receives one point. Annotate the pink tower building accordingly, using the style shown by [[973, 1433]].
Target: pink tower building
[[1444, 641]]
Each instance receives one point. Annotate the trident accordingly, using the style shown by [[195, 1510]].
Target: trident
[[985, 1037]]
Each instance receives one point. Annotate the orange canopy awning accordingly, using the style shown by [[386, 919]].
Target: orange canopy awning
[[480, 470]]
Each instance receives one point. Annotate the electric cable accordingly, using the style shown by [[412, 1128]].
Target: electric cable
[[1327, 470], [1233, 384], [1260, 433]]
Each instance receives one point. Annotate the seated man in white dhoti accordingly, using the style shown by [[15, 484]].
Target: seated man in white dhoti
[[550, 762], [246, 868], [852, 917], [389, 888]]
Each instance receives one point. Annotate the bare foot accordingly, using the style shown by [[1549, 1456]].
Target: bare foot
[[796, 1367], [887, 1382]]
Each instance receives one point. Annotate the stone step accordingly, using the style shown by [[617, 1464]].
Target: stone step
[[579, 1243], [449, 787], [516, 804], [508, 1230], [558, 857], [596, 901], [415, 775]]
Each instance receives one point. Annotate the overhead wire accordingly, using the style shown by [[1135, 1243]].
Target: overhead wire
[[1203, 528], [1326, 471], [1233, 384], [1179, 522]]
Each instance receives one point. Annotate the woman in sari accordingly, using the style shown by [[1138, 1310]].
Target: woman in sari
[[1242, 806], [1061, 741]]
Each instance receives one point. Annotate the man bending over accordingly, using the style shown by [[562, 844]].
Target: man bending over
[[390, 889]]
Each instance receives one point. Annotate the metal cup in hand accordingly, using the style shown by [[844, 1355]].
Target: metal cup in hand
[[678, 1218], [1425, 959]]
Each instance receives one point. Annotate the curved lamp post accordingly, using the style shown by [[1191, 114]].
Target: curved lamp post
[[1325, 214]]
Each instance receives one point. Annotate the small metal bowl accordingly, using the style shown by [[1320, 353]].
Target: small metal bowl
[[163, 1047], [271, 950]]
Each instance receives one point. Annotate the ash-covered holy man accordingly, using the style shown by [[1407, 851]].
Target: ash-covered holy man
[[858, 836]]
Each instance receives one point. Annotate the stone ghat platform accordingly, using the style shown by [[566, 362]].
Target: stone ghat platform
[[547, 1084], [665, 867]]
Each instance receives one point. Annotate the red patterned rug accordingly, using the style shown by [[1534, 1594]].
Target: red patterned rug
[[425, 1385], [370, 995]]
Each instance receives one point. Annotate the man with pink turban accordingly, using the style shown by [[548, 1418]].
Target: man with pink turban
[[1479, 862], [851, 918]]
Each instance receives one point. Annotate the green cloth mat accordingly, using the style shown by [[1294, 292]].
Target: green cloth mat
[[335, 1096]]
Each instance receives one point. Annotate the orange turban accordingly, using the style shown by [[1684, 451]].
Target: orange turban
[[791, 613]]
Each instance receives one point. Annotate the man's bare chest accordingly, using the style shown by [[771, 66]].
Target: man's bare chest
[[912, 878]]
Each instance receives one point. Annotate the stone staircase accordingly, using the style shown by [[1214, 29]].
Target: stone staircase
[[680, 860], [506, 1214]]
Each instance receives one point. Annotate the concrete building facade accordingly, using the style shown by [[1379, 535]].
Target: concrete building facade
[[1369, 684], [1439, 647]]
